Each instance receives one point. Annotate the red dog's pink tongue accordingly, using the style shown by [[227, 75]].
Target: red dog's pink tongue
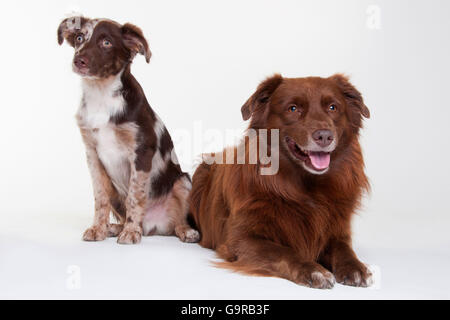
[[320, 160]]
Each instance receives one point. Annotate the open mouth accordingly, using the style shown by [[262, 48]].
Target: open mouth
[[318, 161]]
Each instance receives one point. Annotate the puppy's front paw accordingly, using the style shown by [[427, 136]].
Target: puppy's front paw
[[191, 236], [355, 275], [95, 233], [187, 234], [130, 236]]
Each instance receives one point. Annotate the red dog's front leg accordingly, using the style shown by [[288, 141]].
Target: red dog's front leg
[[264, 257], [341, 259]]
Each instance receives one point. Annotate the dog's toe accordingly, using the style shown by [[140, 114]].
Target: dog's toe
[[192, 236], [95, 233], [129, 237], [187, 234], [313, 275], [322, 280], [355, 276]]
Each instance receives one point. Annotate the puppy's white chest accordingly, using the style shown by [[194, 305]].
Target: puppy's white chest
[[94, 115], [114, 157], [97, 109]]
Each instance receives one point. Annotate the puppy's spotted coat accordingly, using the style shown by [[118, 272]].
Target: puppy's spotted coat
[[130, 153]]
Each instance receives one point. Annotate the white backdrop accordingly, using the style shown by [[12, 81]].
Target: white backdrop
[[208, 57]]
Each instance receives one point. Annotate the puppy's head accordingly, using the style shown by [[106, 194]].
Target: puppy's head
[[317, 117], [102, 47]]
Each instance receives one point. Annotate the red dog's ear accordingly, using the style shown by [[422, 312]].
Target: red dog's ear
[[261, 96], [133, 38], [352, 95], [69, 27]]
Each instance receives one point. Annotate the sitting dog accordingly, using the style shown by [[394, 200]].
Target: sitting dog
[[295, 224], [130, 153]]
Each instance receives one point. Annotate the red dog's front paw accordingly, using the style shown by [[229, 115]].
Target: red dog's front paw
[[315, 276], [355, 274]]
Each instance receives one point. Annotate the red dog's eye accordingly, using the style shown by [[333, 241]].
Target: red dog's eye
[[333, 107], [293, 108]]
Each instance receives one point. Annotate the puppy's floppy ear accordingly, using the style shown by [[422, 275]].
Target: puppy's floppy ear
[[352, 95], [68, 27], [134, 39], [261, 96]]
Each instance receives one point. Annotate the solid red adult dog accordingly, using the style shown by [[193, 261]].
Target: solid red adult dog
[[295, 224], [130, 153]]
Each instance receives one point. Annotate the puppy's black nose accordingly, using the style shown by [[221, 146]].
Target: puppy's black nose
[[80, 61], [323, 137]]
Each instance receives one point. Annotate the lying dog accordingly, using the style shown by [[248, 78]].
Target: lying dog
[[130, 153], [294, 224]]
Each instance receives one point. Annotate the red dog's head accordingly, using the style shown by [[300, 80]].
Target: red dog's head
[[317, 117], [102, 47]]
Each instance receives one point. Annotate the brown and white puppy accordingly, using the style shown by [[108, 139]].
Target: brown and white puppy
[[295, 224], [130, 153]]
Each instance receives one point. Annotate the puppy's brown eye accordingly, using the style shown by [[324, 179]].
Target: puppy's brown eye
[[332, 108], [80, 38], [293, 108]]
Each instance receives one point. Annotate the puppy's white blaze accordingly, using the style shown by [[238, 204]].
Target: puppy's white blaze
[[87, 30]]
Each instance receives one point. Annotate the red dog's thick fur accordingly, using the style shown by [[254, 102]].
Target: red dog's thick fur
[[295, 224]]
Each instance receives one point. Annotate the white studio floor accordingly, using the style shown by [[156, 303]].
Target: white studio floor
[[52, 262]]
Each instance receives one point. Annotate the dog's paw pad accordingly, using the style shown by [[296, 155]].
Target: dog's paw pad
[[95, 234], [129, 237]]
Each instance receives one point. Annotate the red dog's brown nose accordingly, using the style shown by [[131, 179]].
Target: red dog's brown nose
[[323, 137], [81, 62]]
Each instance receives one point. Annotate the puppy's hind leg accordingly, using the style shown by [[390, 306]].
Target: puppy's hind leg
[[178, 208]]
